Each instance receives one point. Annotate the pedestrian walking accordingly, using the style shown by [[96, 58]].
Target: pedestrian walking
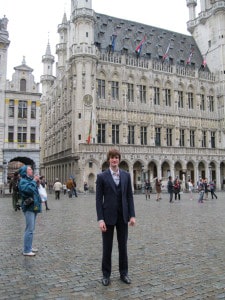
[[212, 189], [64, 188], [170, 188], [85, 187], [115, 209], [201, 190], [206, 188], [31, 206], [158, 188], [43, 191], [70, 186], [74, 188], [190, 189], [14, 189], [148, 189], [57, 188], [177, 189]]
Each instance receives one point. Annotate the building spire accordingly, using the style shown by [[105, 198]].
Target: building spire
[[24, 61], [48, 48]]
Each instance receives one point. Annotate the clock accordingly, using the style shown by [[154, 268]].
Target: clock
[[88, 99]]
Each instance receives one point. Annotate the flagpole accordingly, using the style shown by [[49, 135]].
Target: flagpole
[[90, 130]]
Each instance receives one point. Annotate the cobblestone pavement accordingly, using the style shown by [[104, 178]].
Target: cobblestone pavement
[[176, 251]]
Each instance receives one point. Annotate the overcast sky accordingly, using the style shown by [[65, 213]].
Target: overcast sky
[[32, 23]]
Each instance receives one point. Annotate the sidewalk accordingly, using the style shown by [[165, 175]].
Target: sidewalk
[[176, 251]]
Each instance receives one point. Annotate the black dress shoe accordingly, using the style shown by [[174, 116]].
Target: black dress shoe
[[105, 281], [125, 279]]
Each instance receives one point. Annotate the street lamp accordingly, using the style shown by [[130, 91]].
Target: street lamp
[[142, 177], [4, 171]]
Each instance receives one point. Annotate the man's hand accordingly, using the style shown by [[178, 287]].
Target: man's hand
[[132, 221], [102, 226]]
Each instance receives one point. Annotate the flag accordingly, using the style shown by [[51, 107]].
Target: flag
[[139, 47], [166, 53], [114, 36], [204, 62], [190, 56], [90, 130]]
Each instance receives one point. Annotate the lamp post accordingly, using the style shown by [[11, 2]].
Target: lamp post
[[142, 180], [4, 171], [4, 179]]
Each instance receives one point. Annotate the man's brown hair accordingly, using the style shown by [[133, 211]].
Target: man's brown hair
[[113, 153]]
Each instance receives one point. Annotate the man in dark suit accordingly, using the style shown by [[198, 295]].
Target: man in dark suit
[[115, 208]]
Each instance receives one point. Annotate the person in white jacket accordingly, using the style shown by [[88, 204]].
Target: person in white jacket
[[57, 187]]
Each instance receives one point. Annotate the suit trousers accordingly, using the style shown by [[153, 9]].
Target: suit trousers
[[107, 239]]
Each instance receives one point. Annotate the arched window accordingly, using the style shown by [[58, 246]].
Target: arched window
[[23, 85]]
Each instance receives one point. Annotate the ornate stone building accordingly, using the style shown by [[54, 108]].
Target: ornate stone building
[[156, 95], [19, 114], [22, 119]]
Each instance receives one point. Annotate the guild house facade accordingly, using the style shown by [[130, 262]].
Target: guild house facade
[[155, 94], [19, 114]]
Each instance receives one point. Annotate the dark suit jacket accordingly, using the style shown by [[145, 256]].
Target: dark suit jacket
[[106, 204]]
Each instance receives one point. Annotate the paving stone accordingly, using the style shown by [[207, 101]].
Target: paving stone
[[176, 252]]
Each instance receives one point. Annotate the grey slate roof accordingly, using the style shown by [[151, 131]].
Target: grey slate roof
[[129, 35]]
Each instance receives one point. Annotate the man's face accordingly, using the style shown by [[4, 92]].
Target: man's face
[[114, 161], [29, 172]]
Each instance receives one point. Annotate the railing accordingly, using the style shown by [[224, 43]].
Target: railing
[[157, 66], [151, 150], [83, 49]]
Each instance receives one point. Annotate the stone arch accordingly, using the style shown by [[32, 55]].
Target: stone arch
[[130, 78], [157, 83], [212, 171], [138, 175], [211, 92], [201, 169], [143, 80], [178, 169], [202, 90], [165, 169], [190, 88], [152, 170], [124, 165], [91, 182], [168, 84], [190, 171], [15, 163], [102, 74], [222, 175], [115, 75], [181, 86], [105, 166]]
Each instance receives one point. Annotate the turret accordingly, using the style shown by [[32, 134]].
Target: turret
[[83, 18], [47, 78], [61, 47], [208, 31], [191, 4], [76, 4]]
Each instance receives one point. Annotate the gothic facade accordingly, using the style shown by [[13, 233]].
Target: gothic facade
[[156, 95]]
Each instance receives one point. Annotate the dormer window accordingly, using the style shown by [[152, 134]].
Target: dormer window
[[23, 85]]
